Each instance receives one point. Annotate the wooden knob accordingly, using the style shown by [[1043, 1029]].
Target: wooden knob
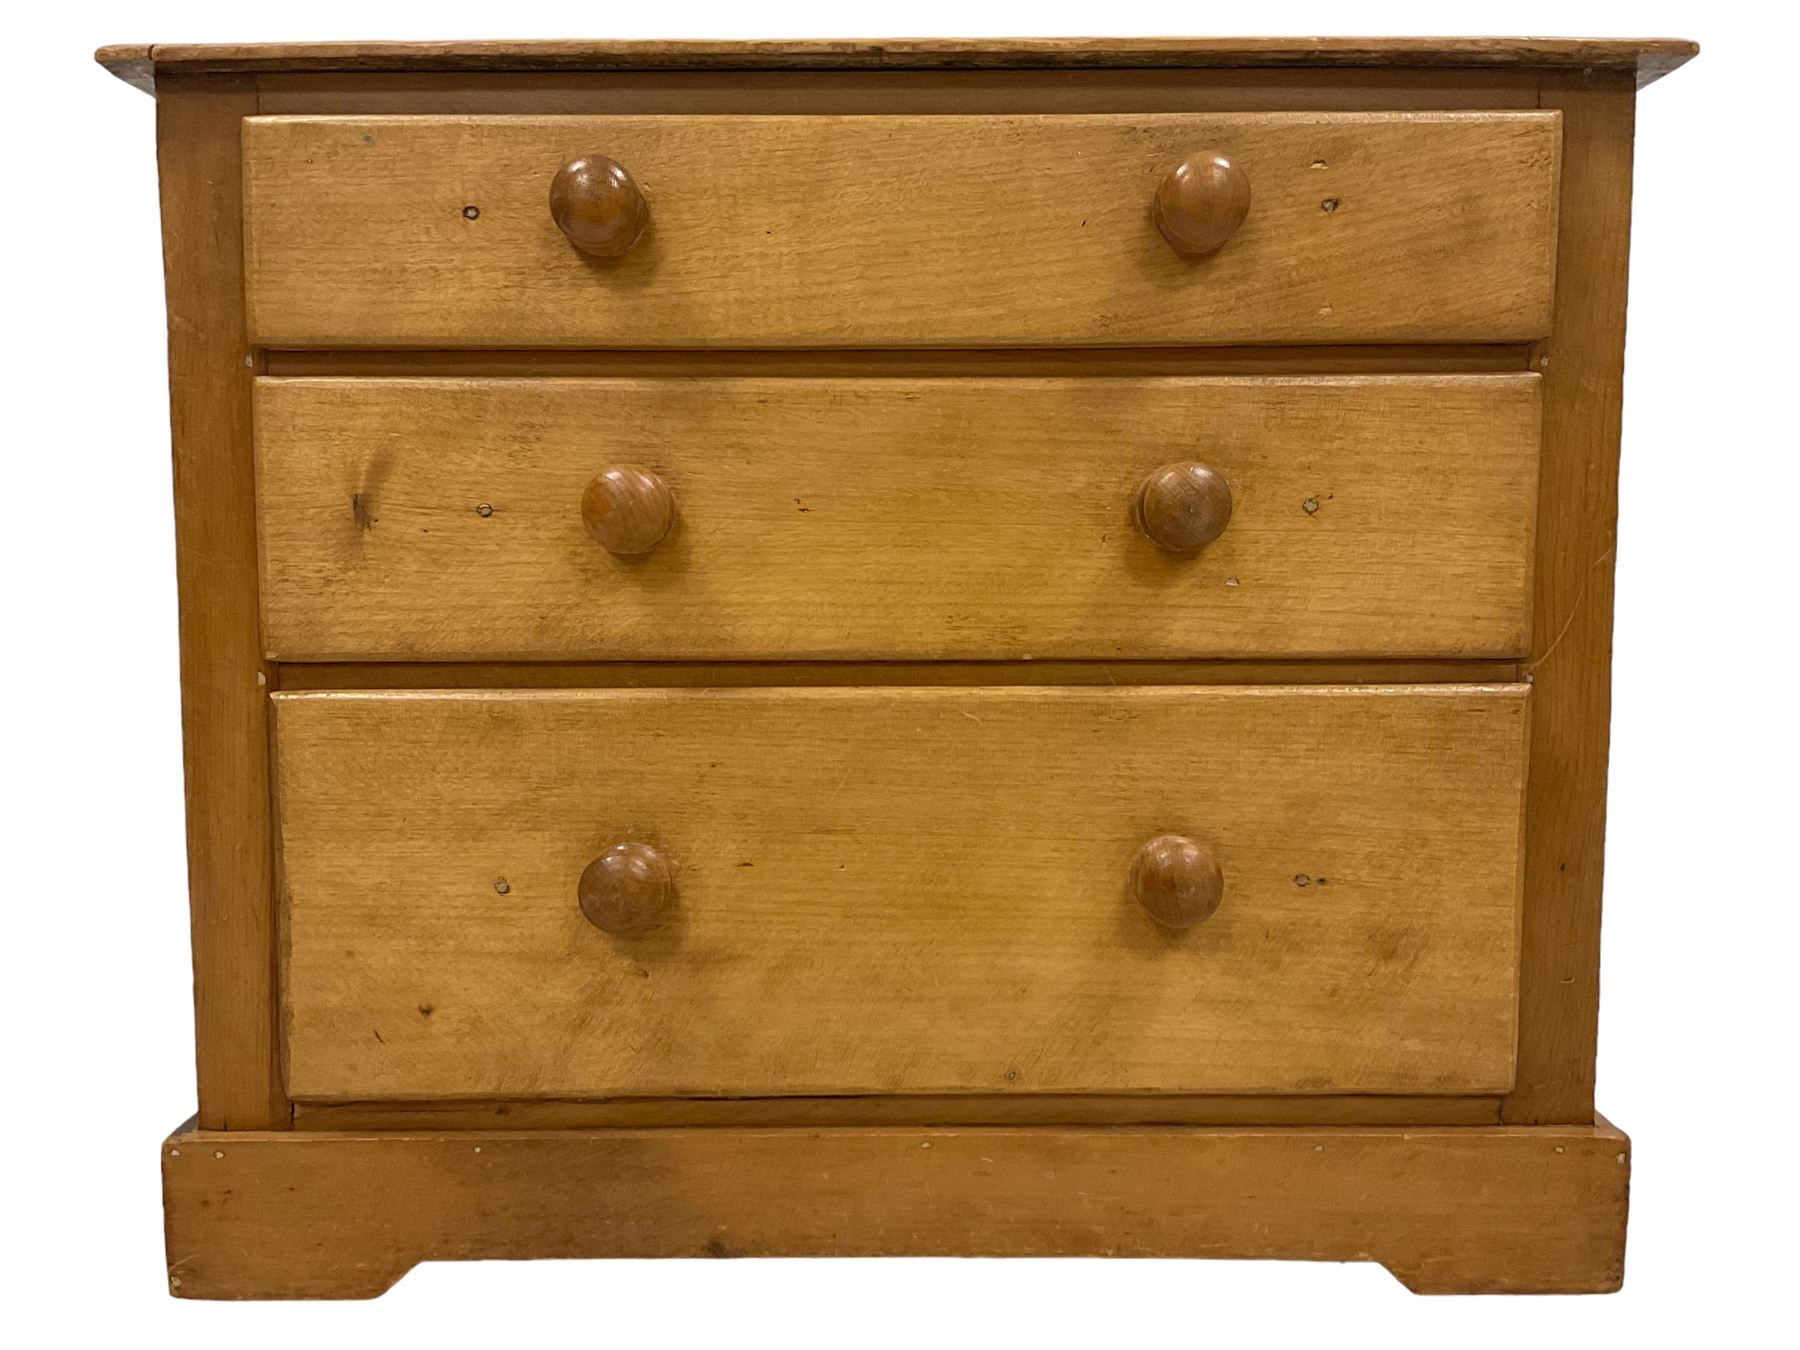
[[625, 888], [1201, 203], [1183, 507], [1176, 880], [628, 509], [596, 203]]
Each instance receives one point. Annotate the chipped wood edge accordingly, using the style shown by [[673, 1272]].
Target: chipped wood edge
[[1447, 1210], [131, 63]]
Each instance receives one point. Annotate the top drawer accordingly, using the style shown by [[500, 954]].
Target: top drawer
[[900, 231]]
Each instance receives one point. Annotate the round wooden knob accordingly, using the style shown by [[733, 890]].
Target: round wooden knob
[[1176, 880], [594, 201], [625, 888], [1201, 203], [1183, 507], [628, 509]]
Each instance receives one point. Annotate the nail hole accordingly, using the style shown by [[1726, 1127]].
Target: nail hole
[[484, 510], [1329, 205], [471, 212]]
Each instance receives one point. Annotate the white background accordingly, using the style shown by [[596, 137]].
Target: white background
[[1697, 1055]]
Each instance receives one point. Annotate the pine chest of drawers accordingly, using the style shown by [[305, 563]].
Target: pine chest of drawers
[[912, 648]]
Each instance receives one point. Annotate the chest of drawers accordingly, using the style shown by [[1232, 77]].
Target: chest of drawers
[[974, 648]]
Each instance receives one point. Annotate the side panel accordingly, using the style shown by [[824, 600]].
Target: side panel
[[224, 679], [1571, 648]]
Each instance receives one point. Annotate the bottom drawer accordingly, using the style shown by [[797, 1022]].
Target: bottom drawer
[[899, 890]]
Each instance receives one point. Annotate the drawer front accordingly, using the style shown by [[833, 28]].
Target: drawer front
[[895, 231], [900, 890], [872, 518]]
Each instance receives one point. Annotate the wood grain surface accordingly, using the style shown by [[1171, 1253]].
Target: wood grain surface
[[852, 674], [898, 231], [1648, 58], [947, 92], [873, 518], [900, 1108], [1572, 609], [917, 362], [224, 679], [906, 890], [1460, 1210]]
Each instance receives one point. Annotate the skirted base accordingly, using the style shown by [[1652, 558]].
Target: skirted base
[[1471, 1209]]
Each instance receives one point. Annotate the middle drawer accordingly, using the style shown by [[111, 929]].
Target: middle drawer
[[871, 518]]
